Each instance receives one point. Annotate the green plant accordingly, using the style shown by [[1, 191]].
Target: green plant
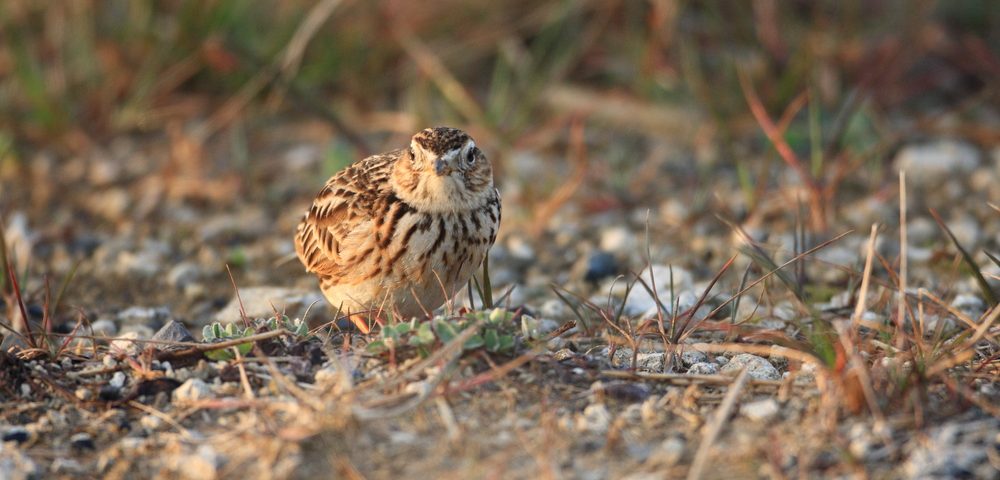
[[497, 333], [216, 332]]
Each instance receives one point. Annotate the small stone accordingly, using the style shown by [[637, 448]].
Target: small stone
[[84, 394], [125, 345], [563, 354], [668, 453], [971, 305], [192, 390], [595, 418], [104, 327], [173, 331], [183, 274], [117, 380], [151, 422], [152, 317], [600, 264], [929, 163], [520, 249], [757, 367], [67, 466], [704, 368], [760, 410], [651, 362], [16, 465], [618, 239], [691, 357], [204, 464], [82, 441], [257, 302], [17, 434], [553, 308]]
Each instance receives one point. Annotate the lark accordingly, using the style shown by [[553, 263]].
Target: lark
[[402, 231]]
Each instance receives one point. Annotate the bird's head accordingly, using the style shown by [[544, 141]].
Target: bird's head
[[443, 170]]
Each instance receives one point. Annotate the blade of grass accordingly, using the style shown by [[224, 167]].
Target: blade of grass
[[984, 286]]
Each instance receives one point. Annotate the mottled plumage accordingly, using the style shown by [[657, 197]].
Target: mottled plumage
[[402, 231]]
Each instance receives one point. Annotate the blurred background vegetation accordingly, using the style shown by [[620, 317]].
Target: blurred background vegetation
[[843, 81]]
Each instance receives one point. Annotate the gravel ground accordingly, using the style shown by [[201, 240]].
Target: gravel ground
[[150, 231]]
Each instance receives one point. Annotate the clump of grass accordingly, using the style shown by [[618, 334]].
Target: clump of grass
[[38, 341]]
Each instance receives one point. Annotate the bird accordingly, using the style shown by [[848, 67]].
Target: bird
[[402, 231]]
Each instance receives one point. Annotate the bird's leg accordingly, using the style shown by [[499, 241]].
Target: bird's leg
[[361, 321]]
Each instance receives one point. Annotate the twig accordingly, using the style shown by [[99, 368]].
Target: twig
[[715, 427], [685, 378], [162, 416]]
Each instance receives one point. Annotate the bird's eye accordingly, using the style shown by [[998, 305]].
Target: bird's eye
[[470, 157]]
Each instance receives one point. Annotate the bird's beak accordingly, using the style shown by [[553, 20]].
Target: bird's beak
[[441, 167]]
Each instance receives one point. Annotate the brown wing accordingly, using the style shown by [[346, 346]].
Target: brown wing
[[341, 216]]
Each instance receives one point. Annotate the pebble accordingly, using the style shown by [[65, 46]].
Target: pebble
[[192, 390], [600, 264], [152, 317], [691, 357], [595, 419], [257, 303], [618, 239], [17, 434], [971, 305], [554, 308], [203, 464], [16, 465], [704, 368], [125, 345], [104, 327], [68, 466], [760, 410], [757, 367], [173, 331], [183, 274], [82, 441], [957, 449], [927, 163], [117, 380], [83, 393], [669, 452]]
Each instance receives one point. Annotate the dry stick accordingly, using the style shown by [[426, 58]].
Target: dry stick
[[685, 378], [162, 416], [965, 351], [247, 390], [714, 428], [958, 314], [901, 306], [846, 339]]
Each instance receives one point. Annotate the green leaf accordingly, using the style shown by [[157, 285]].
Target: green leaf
[[376, 347], [529, 327], [492, 340], [445, 331], [500, 316], [506, 343], [207, 333], [424, 335], [473, 342]]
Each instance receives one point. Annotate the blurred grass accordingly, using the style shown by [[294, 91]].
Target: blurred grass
[[73, 74]]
